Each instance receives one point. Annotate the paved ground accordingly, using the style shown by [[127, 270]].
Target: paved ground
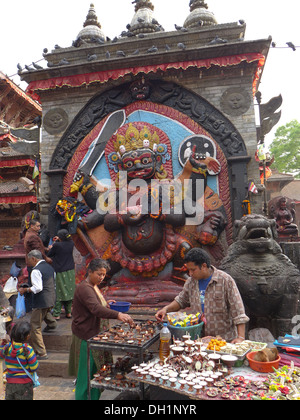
[[60, 389]]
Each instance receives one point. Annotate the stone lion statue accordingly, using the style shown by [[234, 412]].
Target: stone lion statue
[[268, 281]]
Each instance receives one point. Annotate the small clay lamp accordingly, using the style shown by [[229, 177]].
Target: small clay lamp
[[215, 357], [182, 383], [119, 375], [198, 345], [173, 381], [198, 388], [229, 360], [189, 343], [164, 378], [178, 350], [190, 385], [157, 376], [186, 337]]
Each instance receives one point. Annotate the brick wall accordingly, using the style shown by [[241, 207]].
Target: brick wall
[[9, 236]]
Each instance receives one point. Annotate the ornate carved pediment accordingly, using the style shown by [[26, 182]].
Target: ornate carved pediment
[[169, 94]]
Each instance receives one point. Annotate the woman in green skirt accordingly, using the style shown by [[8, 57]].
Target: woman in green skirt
[[90, 316], [61, 253]]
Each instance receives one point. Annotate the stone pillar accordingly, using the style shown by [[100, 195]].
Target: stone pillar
[[292, 250], [239, 183], [56, 181]]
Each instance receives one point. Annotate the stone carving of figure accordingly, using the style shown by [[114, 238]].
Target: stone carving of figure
[[145, 237], [284, 214]]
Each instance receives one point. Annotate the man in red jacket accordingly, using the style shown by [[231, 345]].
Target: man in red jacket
[[33, 241]]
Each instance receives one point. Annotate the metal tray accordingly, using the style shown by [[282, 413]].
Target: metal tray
[[254, 347]]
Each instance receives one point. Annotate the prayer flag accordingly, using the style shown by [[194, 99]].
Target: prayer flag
[[252, 188], [261, 152], [36, 171]]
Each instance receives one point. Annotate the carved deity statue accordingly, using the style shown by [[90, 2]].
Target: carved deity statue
[[150, 215], [282, 210]]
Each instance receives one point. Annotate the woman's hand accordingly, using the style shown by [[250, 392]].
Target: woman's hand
[[126, 318], [111, 301], [237, 340]]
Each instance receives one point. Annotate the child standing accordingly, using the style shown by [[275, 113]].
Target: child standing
[[19, 385]]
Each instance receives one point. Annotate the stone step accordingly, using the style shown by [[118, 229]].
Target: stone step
[[55, 366], [54, 341]]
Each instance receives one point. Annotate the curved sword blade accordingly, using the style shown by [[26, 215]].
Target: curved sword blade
[[112, 124]]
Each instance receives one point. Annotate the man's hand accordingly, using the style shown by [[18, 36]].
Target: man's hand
[[160, 315], [23, 290]]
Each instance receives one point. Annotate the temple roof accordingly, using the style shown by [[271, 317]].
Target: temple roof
[[15, 168], [91, 32], [200, 15], [17, 108], [200, 42], [143, 21], [292, 190]]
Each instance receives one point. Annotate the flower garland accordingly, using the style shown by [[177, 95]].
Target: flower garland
[[283, 384], [66, 209]]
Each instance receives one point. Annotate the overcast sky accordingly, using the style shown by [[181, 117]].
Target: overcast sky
[[27, 27]]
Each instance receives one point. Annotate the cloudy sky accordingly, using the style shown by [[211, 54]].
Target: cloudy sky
[[27, 27]]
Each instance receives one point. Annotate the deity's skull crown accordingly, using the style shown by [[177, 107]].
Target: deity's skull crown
[[135, 139]]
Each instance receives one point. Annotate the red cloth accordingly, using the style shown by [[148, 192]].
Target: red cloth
[[18, 199], [104, 76], [287, 359], [16, 162]]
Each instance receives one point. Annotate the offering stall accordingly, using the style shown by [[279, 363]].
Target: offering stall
[[197, 368], [128, 346]]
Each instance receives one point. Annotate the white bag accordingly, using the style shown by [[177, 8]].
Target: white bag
[[11, 285], [2, 332]]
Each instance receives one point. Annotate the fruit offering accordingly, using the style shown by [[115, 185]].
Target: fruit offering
[[216, 344]]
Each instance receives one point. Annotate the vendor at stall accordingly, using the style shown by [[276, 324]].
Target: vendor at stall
[[213, 293], [90, 316]]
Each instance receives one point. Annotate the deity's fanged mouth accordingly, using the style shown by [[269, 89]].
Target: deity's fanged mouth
[[138, 174]]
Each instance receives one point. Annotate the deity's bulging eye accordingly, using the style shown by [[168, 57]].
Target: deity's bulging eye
[[128, 164], [145, 161]]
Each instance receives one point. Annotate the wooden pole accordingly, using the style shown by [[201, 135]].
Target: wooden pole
[[262, 140], [87, 243], [39, 124]]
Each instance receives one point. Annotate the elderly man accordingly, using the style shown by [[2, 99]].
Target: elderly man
[[213, 293], [32, 241], [43, 290]]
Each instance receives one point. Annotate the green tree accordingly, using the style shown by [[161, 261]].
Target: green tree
[[286, 149]]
